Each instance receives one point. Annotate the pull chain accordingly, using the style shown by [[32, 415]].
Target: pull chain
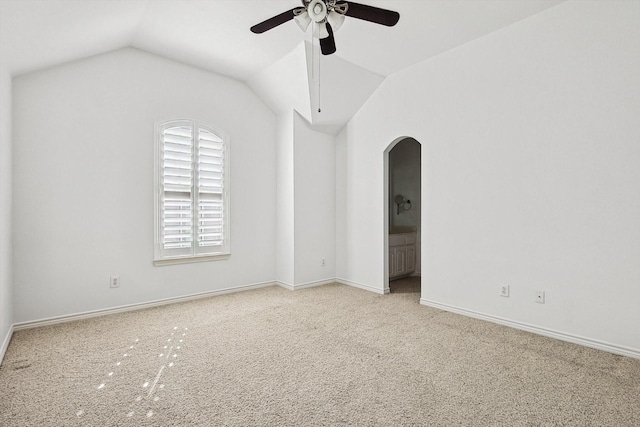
[[314, 52], [319, 91]]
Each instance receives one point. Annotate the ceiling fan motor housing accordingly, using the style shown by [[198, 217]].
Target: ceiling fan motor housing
[[317, 10]]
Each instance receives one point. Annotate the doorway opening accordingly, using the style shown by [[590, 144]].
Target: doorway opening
[[403, 225]]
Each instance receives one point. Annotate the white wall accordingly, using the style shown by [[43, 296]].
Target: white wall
[[83, 182], [306, 203], [530, 152], [6, 305], [315, 203], [360, 202], [285, 200], [342, 263]]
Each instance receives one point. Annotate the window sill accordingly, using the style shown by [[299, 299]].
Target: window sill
[[187, 259]]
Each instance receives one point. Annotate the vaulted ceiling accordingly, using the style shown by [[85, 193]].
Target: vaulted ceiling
[[278, 65]]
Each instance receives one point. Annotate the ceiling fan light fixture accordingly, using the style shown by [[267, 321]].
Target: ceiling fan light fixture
[[303, 20], [320, 31], [336, 20]]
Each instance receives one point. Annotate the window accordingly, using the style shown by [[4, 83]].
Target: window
[[192, 180]]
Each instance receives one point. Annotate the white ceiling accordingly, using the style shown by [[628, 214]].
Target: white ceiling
[[214, 34]]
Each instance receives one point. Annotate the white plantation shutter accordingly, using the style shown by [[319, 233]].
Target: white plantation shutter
[[210, 189], [191, 203], [177, 181]]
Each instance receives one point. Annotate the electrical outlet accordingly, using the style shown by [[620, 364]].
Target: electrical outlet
[[323, 263], [504, 291], [540, 297], [114, 282]]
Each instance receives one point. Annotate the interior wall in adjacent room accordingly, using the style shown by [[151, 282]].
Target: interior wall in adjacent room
[[404, 180], [83, 182]]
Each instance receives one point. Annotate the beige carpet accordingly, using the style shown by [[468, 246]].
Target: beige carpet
[[331, 355]]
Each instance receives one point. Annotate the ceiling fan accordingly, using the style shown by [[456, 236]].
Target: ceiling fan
[[327, 16]]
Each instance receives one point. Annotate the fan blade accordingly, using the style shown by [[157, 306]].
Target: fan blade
[[328, 45], [372, 14], [273, 22]]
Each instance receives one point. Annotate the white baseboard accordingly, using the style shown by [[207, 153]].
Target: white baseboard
[[155, 303], [362, 286], [5, 343], [291, 287], [133, 307], [587, 342], [574, 339], [286, 285]]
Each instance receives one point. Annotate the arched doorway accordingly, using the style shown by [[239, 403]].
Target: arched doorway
[[403, 226]]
